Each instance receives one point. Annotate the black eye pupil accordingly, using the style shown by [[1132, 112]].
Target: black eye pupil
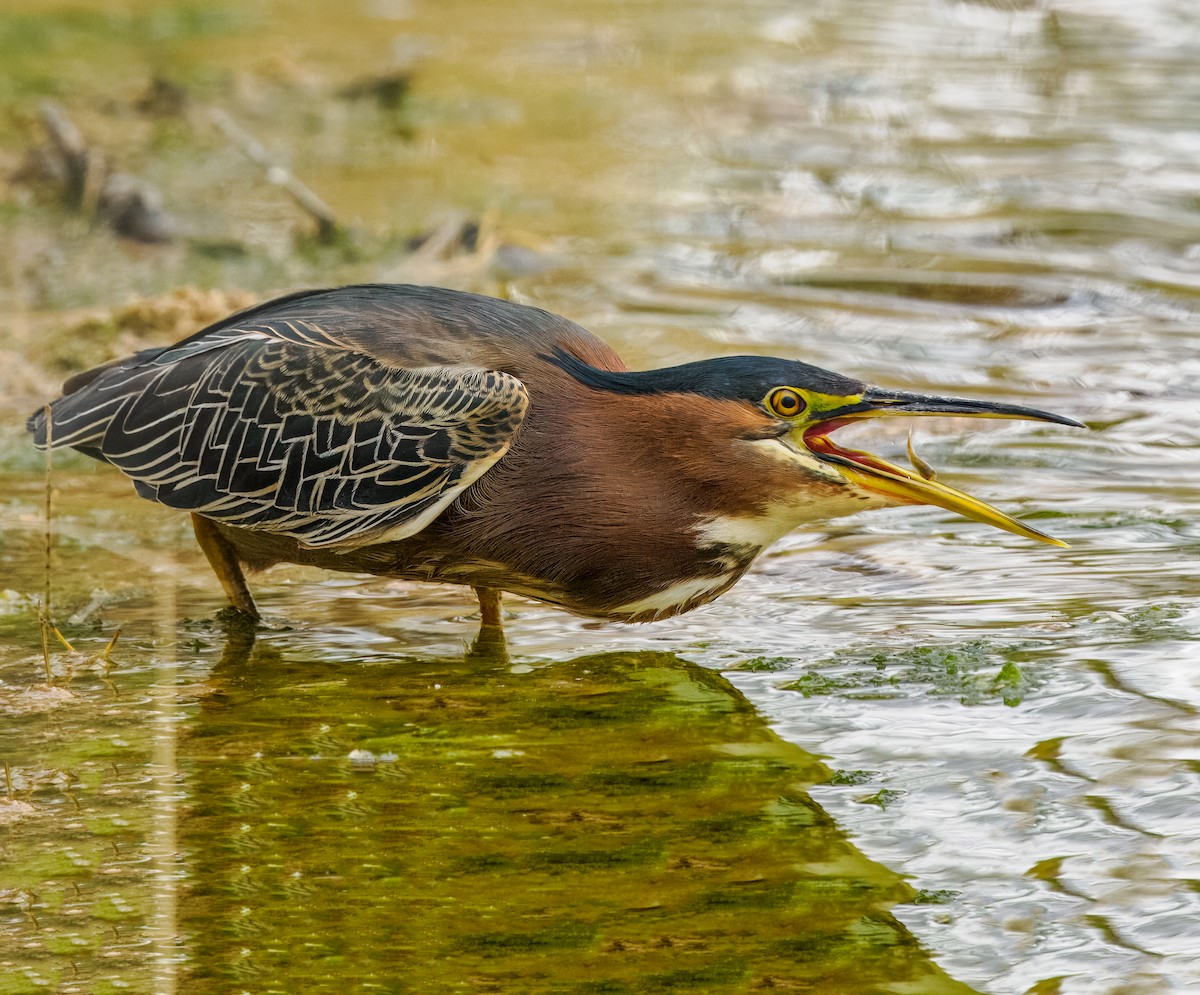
[[787, 403]]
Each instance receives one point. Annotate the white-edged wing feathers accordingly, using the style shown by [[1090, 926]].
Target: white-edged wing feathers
[[279, 427]]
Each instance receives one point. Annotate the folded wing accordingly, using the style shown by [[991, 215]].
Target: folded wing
[[279, 426]]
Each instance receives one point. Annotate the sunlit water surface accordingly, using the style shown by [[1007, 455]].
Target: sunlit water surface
[[992, 199]]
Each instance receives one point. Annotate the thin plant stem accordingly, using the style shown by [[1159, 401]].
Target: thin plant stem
[[49, 546]]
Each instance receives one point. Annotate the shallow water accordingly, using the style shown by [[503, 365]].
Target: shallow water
[[999, 740]]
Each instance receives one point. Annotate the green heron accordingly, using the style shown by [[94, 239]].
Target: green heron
[[433, 435]]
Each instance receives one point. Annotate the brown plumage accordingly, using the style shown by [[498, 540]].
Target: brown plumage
[[439, 436]]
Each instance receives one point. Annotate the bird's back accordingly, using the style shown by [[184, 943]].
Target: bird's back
[[414, 326], [398, 324], [332, 416]]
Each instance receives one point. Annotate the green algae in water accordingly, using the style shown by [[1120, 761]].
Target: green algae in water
[[976, 671], [655, 838], [883, 798], [617, 847]]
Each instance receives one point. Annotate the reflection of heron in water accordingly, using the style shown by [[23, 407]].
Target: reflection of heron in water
[[619, 822]]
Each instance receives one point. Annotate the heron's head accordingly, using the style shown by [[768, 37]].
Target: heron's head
[[782, 416]]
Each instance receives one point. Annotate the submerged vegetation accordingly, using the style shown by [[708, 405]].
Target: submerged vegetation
[[975, 672], [618, 823]]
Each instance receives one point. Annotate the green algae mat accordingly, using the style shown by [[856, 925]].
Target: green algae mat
[[274, 821]]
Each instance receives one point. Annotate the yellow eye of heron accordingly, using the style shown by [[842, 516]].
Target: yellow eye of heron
[[785, 402]]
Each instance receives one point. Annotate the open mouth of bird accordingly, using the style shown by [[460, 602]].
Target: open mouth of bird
[[918, 485]]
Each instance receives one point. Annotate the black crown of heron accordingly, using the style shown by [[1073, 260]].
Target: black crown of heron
[[435, 435]]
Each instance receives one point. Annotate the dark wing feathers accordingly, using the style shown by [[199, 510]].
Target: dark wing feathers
[[279, 425]]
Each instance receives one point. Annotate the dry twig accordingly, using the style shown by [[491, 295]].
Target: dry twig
[[282, 177]]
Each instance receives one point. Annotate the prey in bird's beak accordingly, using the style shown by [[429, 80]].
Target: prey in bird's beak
[[823, 414]]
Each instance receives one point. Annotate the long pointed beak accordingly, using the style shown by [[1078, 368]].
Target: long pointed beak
[[905, 486], [878, 401]]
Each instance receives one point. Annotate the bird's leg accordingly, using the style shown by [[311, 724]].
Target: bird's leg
[[223, 560], [489, 608]]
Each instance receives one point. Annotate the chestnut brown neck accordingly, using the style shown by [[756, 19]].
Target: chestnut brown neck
[[603, 505]]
